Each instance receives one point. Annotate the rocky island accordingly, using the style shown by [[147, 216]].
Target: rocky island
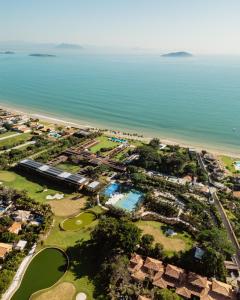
[[65, 46], [42, 55], [7, 52], [178, 54]]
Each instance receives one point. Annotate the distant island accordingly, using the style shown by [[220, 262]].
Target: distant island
[[7, 52], [178, 54], [42, 55], [69, 46]]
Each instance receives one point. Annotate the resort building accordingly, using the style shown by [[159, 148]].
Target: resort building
[[55, 174], [15, 227], [21, 245], [186, 284], [22, 216], [4, 250], [93, 186]]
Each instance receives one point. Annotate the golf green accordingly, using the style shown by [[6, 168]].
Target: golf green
[[79, 221], [45, 269]]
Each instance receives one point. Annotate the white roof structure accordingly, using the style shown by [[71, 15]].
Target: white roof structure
[[44, 168], [21, 244], [64, 174], [93, 184]]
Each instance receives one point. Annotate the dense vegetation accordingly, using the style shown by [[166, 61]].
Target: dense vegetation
[[173, 161]]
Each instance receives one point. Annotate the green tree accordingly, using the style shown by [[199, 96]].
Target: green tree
[[216, 239], [116, 235], [165, 294]]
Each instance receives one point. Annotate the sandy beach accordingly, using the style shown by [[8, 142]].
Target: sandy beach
[[131, 134]]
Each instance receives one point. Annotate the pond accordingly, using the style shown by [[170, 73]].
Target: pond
[[45, 269], [79, 221]]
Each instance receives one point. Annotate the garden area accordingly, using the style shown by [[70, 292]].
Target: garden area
[[104, 143], [182, 241], [14, 141], [228, 163]]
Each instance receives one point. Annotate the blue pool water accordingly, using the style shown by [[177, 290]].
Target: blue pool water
[[237, 164], [111, 189], [130, 201]]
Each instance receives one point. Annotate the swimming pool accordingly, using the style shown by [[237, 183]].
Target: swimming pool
[[130, 200], [111, 189], [237, 165]]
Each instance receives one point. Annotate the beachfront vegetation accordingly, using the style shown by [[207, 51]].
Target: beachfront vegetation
[[104, 145], [174, 161], [228, 163]]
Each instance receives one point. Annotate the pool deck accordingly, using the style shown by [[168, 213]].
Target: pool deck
[[19, 275]]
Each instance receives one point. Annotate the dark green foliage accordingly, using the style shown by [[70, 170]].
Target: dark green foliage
[[176, 161], [217, 240], [116, 236], [163, 208], [166, 294]]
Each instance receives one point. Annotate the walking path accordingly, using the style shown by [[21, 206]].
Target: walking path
[[9, 136], [19, 275], [19, 146], [168, 219]]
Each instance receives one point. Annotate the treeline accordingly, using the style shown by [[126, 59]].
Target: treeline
[[174, 160], [10, 157]]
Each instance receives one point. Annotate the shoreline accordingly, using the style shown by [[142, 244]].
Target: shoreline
[[146, 137]]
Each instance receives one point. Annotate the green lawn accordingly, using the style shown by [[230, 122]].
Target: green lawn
[[68, 167], [81, 269], [34, 190], [8, 133], [79, 221], [228, 162], [16, 140], [180, 242], [104, 142]]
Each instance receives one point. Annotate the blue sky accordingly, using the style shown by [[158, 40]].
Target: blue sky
[[201, 26]]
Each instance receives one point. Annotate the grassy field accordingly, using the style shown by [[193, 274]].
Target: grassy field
[[8, 133], [19, 139], [68, 167], [63, 291], [34, 190], [79, 221], [181, 242], [67, 207], [81, 270], [104, 142], [228, 163]]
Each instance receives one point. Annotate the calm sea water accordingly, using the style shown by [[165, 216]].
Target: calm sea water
[[195, 100]]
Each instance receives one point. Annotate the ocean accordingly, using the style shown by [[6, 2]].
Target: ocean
[[195, 100]]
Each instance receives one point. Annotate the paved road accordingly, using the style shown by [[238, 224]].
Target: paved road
[[9, 136]]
